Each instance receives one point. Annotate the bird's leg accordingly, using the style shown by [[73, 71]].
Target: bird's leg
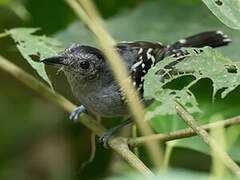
[[112, 131], [76, 112]]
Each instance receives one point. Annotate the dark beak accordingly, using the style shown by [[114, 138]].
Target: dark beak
[[54, 60]]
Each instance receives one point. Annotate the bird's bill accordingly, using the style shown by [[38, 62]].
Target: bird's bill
[[55, 60]]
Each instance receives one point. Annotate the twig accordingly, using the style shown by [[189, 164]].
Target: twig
[[183, 133], [93, 148], [4, 34], [121, 146], [222, 155], [55, 98], [121, 74]]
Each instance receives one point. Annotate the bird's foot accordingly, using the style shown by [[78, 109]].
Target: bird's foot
[[104, 139], [76, 113], [111, 132]]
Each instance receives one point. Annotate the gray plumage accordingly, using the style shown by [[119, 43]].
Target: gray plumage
[[93, 83]]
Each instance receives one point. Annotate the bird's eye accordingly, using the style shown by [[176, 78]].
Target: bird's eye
[[84, 65]]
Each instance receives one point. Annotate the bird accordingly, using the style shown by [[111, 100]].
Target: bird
[[94, 85]]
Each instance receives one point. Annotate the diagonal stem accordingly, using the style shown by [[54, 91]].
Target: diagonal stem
[[189, 119], [120, 72], [182, 133]]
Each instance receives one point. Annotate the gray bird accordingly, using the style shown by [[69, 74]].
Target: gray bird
[[92, 80]]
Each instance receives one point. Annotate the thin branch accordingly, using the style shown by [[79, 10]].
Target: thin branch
[[55, 98], [91, 19], [222, 155], [120, 145], [183, 133], [4, 34]]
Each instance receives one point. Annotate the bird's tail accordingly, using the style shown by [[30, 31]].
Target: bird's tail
[[209, 38]]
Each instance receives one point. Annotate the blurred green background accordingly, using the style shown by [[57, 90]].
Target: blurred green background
[[37, 141]]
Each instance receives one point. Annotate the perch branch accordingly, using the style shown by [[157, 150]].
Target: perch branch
[[182, 133], [4, 34]]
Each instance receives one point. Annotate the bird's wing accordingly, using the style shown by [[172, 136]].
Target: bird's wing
[[140, 56]]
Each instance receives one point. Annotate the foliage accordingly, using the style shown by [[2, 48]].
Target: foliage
[[226, 11], [35, 48], [166, 22], [207, 64]]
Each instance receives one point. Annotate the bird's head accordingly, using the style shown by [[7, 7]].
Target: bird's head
[[82, 62]]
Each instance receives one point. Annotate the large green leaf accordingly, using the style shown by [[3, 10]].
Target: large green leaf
[[208, 64], [33, 46], [227, 11]]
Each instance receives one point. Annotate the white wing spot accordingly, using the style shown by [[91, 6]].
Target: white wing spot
[[136, 64], [143, 65], [134, 83], [182, 41], [219, 32], [140, 86], [140, 51], [153, 60], [148, 53], [178, 54], [227, 40]]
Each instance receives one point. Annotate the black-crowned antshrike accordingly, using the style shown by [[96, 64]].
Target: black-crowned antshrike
[[94, 85]]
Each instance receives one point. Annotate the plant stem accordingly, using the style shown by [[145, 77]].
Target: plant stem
[[120, 145], [222, 155], [91, 19], [134, 135], [182, 133], [4, 34], [167, 155]]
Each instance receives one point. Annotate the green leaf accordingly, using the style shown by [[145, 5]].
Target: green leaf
[[33, 46], [207, 64], [213, 65], [210, 64], [168, 123], [227, 11], [195, 143], [168, 98], [5, 2]]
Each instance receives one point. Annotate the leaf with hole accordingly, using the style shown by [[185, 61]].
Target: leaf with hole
[[227, 11], [34, 47]]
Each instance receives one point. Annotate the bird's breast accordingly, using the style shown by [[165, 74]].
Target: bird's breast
[[102, 101]]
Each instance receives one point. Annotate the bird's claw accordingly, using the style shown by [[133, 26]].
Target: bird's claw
[[104, 139], [76, 112], [111, 132]]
